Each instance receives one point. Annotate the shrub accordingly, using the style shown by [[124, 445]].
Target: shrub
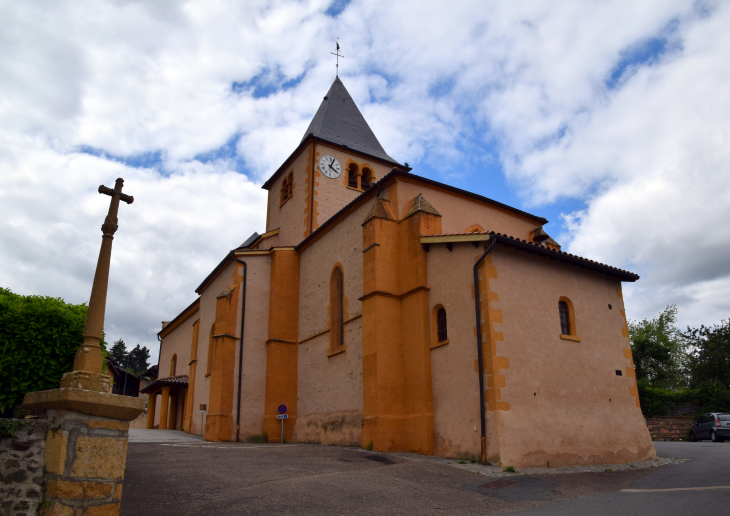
[[711, 397], [39, 337]]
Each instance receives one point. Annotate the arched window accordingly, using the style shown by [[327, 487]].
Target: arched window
[[210, 350], [352, 175], [173, 365], [337, 330], [564, 317], [367, 178], [568, 328], [441, 324]]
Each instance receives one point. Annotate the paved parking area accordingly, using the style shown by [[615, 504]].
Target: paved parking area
[[185, 476]]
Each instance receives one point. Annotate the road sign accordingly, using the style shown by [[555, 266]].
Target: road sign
[[282, 409], [282, 416]]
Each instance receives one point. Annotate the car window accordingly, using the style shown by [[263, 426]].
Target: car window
[[723, 417], [703, 419]]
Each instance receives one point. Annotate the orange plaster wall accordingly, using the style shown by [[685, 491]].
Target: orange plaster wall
[[174, 343], [460, 213], [561, 386], [253, 384], [207, 313], [289, 217], [329, 409], [455, 378]]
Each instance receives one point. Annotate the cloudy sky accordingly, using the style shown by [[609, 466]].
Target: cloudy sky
[[611, 119]]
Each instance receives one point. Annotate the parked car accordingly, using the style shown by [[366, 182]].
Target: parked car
[[713, 425]]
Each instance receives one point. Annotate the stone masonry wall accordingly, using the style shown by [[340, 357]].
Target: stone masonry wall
[[669, 428], [85, 459], [21, 469]]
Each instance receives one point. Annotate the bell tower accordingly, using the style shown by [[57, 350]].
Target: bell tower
[[338, 158]]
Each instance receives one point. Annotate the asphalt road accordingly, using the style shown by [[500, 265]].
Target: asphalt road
[[669, 490], [195, 478]]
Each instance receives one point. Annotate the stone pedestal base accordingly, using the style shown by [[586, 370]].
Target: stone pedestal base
[[85, 380], [86, 449]]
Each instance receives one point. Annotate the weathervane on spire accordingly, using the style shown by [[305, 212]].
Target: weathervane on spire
[[337, 53]]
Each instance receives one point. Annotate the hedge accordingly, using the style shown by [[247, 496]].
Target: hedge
[[712, 397], [39, 337]]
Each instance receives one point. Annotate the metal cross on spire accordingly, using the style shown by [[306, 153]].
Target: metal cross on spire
[[337, 53]]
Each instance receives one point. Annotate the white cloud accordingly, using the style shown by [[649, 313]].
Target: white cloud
[[649, 157]]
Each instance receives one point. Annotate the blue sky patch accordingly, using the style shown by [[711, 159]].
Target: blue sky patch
[[643, 53], [151, 159], [442, 87], [266, 83], [227, 151], [337, 7]]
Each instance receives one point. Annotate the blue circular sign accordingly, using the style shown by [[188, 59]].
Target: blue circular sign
[[282, 409]]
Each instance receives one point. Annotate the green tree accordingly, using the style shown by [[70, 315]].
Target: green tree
[[709, 356], [118, 352], [39, 337], [139, 359], [659, 351]]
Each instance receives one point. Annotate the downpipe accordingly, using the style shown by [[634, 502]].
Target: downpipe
[[482, 412]]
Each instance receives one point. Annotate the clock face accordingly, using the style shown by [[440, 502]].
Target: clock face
[[329, 166]]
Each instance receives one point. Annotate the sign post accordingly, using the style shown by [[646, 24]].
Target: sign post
[[203, 408], [282, 415]]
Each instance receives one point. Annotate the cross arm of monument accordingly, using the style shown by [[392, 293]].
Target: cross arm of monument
[[111, 192]]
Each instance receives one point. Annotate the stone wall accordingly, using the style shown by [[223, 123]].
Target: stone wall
[[85, 459], [21, 469], [669, 428]]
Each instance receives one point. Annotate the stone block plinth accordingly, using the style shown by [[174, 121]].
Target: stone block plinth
[[85, 449]]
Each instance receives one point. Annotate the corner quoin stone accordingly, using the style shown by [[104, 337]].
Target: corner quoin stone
[[56, 444]]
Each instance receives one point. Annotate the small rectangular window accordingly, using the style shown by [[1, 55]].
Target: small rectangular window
[[441, 322], [619, 372]]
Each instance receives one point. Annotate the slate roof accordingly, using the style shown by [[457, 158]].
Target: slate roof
[[171, 381], [508, 240], [339, 121]]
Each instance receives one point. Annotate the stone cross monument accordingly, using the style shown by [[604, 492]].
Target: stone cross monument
[[87, 368], [86, 448]]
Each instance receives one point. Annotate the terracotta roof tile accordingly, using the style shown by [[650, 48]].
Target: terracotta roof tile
[[505, 239], [170, 381]]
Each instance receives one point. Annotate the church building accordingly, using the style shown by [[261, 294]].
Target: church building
[[389, 310]]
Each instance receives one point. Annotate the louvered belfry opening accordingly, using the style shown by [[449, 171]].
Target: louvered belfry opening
[[352, 176], [441, 324], [564, 317], [337, 309], [367, 178]]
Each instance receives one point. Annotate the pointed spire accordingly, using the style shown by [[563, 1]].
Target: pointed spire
[[379, 211], [339, 121], [419, 203]]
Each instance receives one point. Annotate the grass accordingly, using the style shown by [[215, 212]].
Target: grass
[[462, 462], [369, 446], [473, 459], [509, 469], [258, 438]]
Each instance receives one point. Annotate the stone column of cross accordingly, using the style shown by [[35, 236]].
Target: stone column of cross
[[88, 363]]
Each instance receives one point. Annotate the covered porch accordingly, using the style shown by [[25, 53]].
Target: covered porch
[[172, 392]]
